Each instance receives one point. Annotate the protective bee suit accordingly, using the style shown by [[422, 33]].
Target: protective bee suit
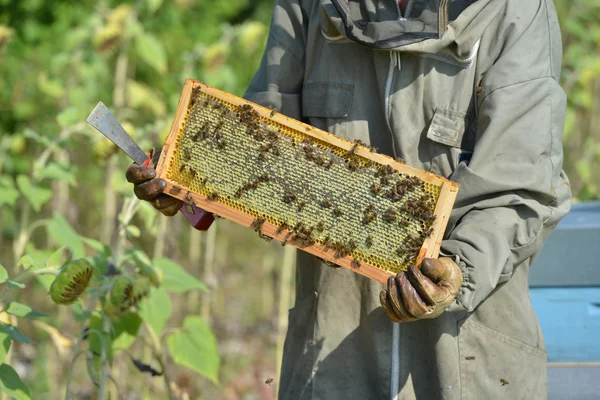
[[467, 90]]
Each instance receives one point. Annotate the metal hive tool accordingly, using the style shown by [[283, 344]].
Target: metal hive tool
[[338, 200]]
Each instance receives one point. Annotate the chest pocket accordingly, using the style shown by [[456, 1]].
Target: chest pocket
[[326, 105], [451, 139]]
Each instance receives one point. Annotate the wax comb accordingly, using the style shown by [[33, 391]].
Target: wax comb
[[338, 200]]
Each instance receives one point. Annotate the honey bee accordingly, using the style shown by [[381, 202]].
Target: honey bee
[[281, 228], [352, 244], [269, 381], [301, 206], [390, 215], [182, 167], [289, 197], [175, 190], [193, 172], [187, 153], [273, 112], [202, 132], [369, 217], [400, 160], [337, 212], [264, 177], [188, 198], [264, 237], [352, 165], [330, 264], [320, 227], [212, 196], [341, 251], [369, 241], [326, 203], [355, 263], [375, 188], [257, 224], [503, 382], [470, 358]]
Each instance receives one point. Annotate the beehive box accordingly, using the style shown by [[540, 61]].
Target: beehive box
[[338, 200]]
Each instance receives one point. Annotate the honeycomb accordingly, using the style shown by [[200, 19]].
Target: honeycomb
[[315, 192]]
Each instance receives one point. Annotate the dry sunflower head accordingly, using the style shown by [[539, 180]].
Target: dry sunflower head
[[72, 280], [121, 292]]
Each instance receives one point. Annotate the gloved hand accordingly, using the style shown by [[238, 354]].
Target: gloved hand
[[147, 187], [421, 293]]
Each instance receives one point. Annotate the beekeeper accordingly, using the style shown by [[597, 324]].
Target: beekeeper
[[465, 89]]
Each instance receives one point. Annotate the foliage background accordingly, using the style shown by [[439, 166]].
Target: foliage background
[[58, 58]]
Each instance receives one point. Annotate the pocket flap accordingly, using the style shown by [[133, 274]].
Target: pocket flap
[[327, 99], [452, 128]]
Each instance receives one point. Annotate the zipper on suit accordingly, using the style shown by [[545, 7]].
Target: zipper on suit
[[395, 62], [395, 378], [405, 15]]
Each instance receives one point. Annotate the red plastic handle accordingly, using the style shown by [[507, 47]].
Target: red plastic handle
[[199, 218]]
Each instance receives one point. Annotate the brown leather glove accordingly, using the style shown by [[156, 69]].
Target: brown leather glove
[[422, 293], [147, 187]]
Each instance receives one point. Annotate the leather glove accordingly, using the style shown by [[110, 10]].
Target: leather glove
[[147, 187], [421, 293]]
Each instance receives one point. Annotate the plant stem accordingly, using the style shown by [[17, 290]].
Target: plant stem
[[208, 275], [195, 252], [104, 362], [127, 213], [159, 354], [23, 237], [76, 351], [161, 234]]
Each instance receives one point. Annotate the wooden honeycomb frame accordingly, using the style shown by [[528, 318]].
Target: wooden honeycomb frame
[[447, 189]]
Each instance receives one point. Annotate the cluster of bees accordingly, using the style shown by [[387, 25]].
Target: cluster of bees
[[414, 202]]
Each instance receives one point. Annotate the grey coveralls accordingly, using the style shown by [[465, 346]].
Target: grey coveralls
[[480, 105]]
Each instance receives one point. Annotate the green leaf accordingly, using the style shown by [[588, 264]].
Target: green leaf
[[144, 97], [8, 193], [3, 274], [195, 346], [154, 5], [55, 260], [58, 172], [133, 231], [11, 384], [15, 284], [23, 311], [36, 195], [176, 279], [126, 329], [28, 261], [4, 343], [155, 310], [67, 117], [151, 51], [79, 314], [15, 334], [63, 234], [45, 280], [33, 135], [97, 246]]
